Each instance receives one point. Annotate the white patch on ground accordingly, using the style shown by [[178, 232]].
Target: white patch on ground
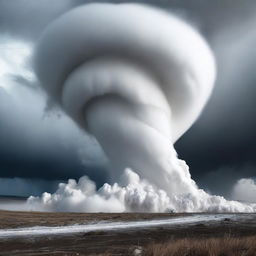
[[101, 226]]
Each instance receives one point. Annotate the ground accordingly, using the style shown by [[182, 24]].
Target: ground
[[115, 242]]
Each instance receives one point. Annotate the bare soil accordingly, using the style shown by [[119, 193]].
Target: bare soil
[[112, 242], [16, 219]]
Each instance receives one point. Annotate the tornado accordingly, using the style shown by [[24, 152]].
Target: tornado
[[136, 78]]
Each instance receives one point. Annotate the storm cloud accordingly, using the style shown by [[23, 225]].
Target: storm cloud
[[224, 134]]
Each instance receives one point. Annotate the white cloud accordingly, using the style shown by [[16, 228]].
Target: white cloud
[[137, 96], [14, 61], [245, 190], [134, 130], [132, 194]]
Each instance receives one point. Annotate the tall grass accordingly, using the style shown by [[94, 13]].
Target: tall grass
[[226, 246]]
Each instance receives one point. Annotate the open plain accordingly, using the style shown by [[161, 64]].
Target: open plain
[[37, 233]]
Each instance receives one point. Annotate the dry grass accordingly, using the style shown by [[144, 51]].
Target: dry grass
[[226, 246], [16, 219]]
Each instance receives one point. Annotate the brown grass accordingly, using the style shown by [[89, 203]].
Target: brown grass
[[226, 246], [16, 219]]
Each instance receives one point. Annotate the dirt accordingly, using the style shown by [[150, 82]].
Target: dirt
[[114, 242], [15, 219]]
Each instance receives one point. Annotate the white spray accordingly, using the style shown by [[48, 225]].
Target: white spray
[[136, 78]]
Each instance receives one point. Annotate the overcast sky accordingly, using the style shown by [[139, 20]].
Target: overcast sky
[[44, 148]]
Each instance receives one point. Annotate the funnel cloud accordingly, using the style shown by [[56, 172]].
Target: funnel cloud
[[137, 87]]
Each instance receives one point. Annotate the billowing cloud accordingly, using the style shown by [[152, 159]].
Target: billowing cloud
[[225, 141], [136, 95], [245, 190], [132, 194]]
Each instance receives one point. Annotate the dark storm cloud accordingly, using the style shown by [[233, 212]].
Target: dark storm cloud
[[25, 187], [221, 144], [37, 146], [225, 132], [222, 180], [27, 18]]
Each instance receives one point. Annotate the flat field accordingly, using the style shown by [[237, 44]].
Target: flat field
[[137, 235]]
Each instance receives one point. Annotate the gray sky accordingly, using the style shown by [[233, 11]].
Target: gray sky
[[220, 148]]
